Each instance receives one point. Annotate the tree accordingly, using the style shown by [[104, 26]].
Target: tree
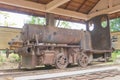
[[115, 25], [36, 20], [63, 24], [5, 22], [42, 21]]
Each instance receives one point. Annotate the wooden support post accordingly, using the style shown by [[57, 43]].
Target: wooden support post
[[50, 20]]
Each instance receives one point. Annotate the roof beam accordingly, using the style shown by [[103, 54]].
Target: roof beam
[[110, 3], [41, 7], [54, 4], [105, 11], [69, 13], [24, 4]]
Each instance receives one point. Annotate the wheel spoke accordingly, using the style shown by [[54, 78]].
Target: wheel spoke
[[83, 60], [61, 61]]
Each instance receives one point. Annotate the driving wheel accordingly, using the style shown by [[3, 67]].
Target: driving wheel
[[61, 61], [83, 60]]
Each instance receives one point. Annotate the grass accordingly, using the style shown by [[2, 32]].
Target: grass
[[12, 58], [115, 55], [2, 59]]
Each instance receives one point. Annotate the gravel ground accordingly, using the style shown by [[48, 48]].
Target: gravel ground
[[112, 78]]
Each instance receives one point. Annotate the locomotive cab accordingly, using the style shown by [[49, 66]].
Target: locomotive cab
[[100, 36]]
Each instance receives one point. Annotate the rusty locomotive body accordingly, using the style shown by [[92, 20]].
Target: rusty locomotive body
[[41, 45]]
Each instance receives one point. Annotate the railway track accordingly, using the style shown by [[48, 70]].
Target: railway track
[[90, 76], [43, 70], [40, 71]]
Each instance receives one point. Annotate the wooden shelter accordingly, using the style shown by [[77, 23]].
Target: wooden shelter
[[72, 10]]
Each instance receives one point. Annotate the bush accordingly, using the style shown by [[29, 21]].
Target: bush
[[2, 58], [115, 55], [14, 57]]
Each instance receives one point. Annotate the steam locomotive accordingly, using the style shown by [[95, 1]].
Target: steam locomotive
[[59, 47]]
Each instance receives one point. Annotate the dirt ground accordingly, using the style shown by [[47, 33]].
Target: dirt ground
[[8, 65], [112, 78]]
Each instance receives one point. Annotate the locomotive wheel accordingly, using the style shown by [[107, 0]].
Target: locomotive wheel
[[83, 60], [61, 61]]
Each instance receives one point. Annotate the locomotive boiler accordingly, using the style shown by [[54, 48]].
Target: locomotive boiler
[[50, 34], [52, 46]]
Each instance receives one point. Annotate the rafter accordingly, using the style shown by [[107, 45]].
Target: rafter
[[81, 5], [94, 6], [68, 4], [110, 3], [54, 4], [105, 11], [24, 4]]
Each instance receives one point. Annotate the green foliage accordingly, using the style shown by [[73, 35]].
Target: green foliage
[[14, 57], [115, 55], [115, 25], [2, 58], [63, 24], [36, 20], [42, 21], [104, 24], [5, 21]]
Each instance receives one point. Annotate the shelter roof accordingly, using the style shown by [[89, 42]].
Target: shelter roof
[[71, 10]]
